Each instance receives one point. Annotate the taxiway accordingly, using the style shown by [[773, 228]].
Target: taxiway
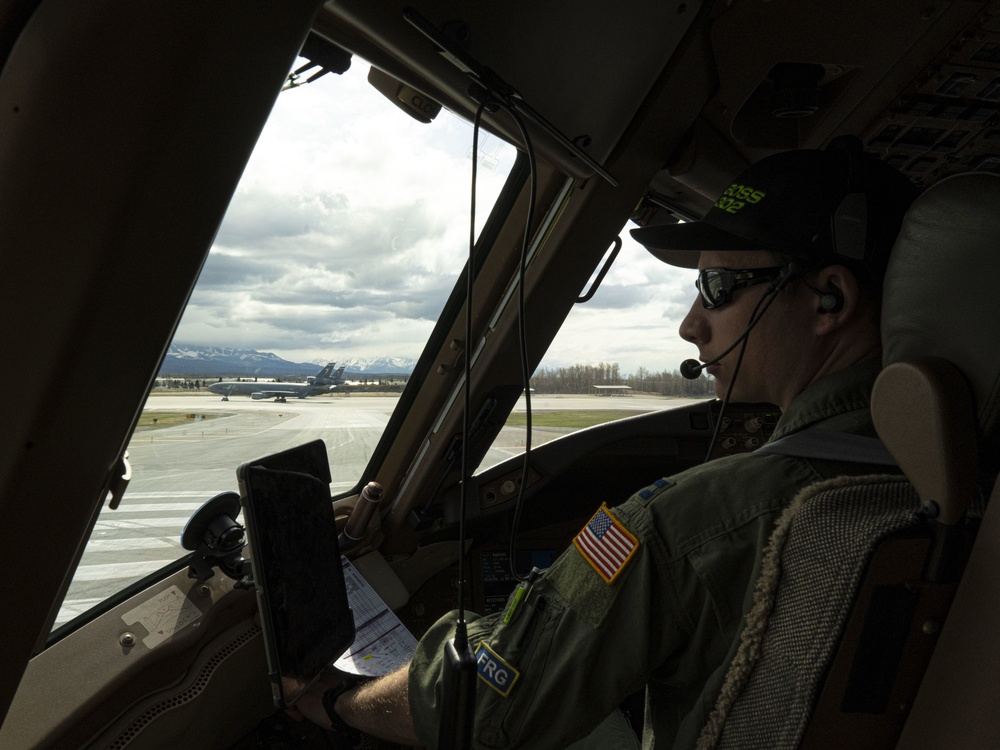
[[176, 469]]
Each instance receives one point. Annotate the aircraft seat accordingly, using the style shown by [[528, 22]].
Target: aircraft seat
[[860, 574], [946, 306]]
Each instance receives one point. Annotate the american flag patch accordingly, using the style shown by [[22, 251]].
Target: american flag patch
[[606, 544]]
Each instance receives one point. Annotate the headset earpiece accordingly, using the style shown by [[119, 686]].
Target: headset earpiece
[[828, 302], [831, 301]]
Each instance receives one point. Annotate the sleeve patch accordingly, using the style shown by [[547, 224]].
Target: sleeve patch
[[659, 484], [494, 671], [606, 544]]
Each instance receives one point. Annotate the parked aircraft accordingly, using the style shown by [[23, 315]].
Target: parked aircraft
[[325, 381], [125, 128]]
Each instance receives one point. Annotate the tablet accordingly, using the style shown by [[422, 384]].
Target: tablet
[[297, 571]]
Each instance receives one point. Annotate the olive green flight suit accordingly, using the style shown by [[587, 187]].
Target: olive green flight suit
[[670, 618]]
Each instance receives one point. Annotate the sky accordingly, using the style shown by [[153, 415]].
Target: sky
[[350, 228]]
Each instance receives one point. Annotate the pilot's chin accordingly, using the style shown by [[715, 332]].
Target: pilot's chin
[[720, 388]]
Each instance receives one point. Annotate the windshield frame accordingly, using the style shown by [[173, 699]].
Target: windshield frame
[[426, 363]]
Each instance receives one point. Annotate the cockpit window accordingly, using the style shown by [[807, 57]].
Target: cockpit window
[[616, 355], [335, 258]]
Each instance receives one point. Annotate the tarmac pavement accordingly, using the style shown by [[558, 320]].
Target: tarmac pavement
[[176, 469]]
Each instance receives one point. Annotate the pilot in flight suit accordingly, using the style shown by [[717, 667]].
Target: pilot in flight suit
[[653, 593], [669, 618]]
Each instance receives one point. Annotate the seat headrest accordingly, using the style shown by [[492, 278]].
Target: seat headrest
[[942, 290]]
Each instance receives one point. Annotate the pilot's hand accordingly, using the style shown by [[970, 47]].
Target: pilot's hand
[[317, 706], [310, 704]]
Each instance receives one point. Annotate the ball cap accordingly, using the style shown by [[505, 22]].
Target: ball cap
[[838, 205]]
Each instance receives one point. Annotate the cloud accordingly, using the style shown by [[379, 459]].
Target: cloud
[[259, 216], [633, 318], [349, 230]]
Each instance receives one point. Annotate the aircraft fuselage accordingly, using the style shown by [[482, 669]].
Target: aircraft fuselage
[[324, 382]]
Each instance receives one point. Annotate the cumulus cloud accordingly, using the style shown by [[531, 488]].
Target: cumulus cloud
[[632, 319], [350, 228]]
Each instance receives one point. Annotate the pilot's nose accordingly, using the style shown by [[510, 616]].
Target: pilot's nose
[[694, 327]]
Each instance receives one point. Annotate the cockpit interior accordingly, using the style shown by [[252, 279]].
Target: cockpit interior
[[125, 131]]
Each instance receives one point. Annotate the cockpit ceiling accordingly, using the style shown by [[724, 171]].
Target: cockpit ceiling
[[924, 96], [587, 77]]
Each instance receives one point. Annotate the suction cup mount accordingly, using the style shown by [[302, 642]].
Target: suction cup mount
[[216, 539]]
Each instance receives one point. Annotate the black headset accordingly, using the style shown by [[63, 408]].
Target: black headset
[[849, 223]]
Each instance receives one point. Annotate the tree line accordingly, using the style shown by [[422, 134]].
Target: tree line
[[583, 378], [574, 379], [182, 383]]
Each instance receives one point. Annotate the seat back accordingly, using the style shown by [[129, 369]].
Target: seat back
[[817, 561], [946, 307], [860, 573], [941, 294]]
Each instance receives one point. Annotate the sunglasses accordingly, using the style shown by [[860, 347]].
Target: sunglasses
[[718, 284]]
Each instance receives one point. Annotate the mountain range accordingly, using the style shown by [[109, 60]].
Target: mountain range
[[217, 361]]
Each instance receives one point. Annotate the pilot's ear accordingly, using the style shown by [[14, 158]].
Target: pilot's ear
[[839, 298]]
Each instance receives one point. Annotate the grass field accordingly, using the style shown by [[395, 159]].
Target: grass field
[[570, 418], [168, 418]]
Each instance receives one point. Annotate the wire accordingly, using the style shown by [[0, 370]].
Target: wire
[[523, 339], [752, 321], [470, 277]]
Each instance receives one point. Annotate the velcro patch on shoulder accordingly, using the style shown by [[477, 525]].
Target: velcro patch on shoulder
[[659, 484], [606, 544], [494, 671]]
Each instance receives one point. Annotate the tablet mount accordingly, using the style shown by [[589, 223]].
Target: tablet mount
[[216, 540]]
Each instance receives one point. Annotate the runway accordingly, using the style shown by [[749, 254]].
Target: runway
[[176, 469]]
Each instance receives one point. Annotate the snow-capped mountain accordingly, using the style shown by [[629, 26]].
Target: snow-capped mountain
[[217, 361], [378, 365]]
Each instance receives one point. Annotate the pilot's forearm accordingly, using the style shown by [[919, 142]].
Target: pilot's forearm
[[381, 708]]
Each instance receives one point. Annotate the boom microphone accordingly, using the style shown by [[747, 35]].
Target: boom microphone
[[691, 368]]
